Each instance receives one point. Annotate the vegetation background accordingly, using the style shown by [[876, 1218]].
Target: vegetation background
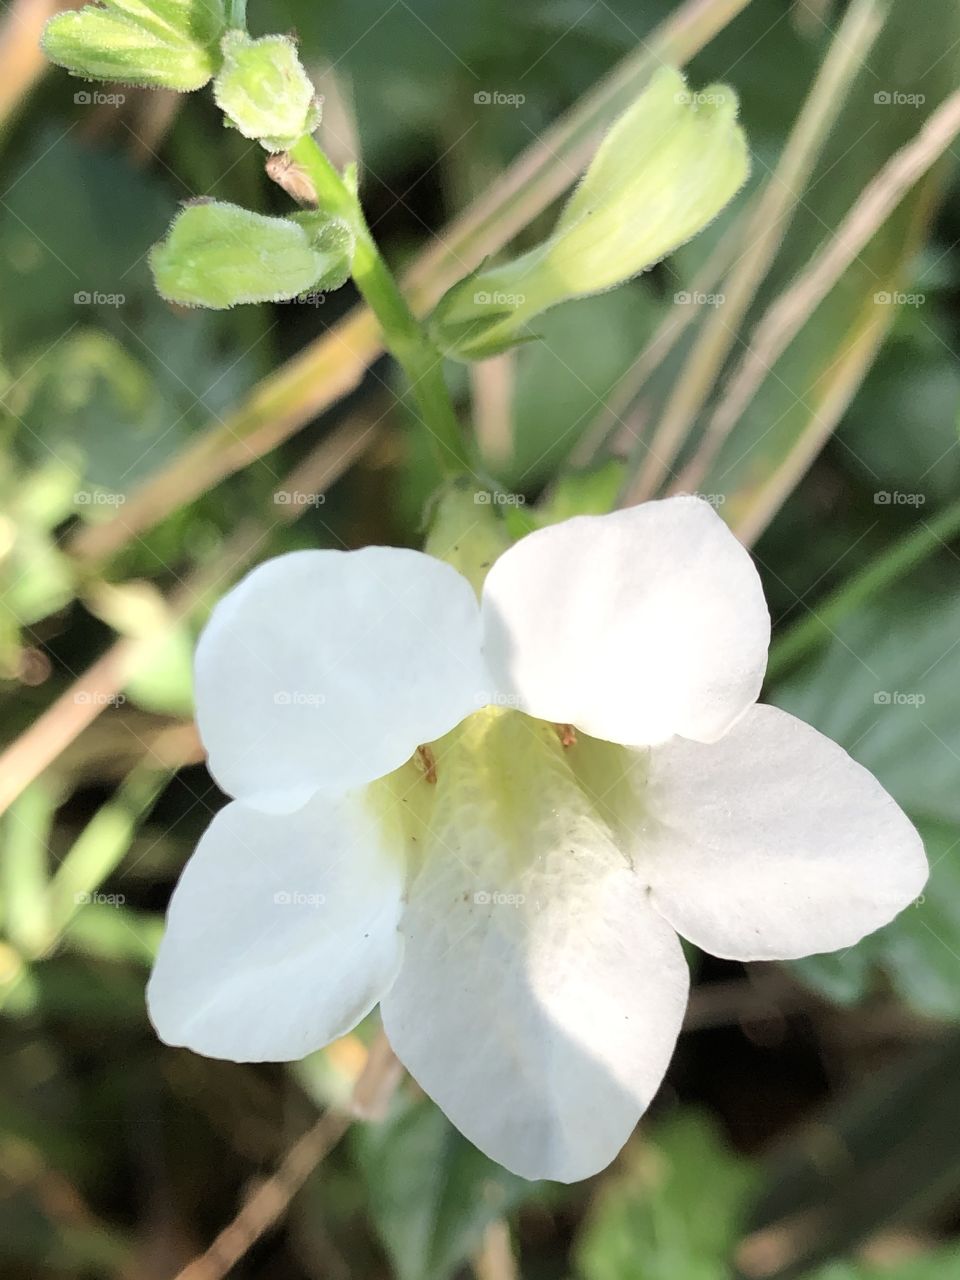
[[808, 1124]]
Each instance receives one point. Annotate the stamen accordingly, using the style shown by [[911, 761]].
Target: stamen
[[427, 764], [567, 735]]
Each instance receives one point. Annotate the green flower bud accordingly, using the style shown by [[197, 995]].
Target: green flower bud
[[264, 91], [666, 168], [160, 44], [217, 255]]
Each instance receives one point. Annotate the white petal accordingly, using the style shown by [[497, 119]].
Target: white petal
[[282, 933], [540, 997], [328, 668], [773, 843], [633, 626]]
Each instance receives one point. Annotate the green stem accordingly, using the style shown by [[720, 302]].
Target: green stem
[[236, 13], [404, 336]]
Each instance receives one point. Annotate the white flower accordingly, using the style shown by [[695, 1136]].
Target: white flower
[[511, 894]]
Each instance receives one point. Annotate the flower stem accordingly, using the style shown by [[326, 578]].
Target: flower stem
[[404, 336], [236, 11]]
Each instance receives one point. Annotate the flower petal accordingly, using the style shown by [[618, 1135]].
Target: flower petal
[[540, 997], [282, 933], [773, 843], [326, 669], [633, 626]]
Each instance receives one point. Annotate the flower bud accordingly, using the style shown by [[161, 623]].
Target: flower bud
[[666, 168], [217, 255], [159, 44], [264, 91]]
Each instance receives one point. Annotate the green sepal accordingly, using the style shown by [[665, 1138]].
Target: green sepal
[[263, 90], [333, 240], [218, 255], [163, 44]]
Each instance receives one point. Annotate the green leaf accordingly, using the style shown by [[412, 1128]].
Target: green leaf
[[217, 255], [884, 689], [809, 386], [879, 1155], [169, 44], [934, 1266], [431, 1193], [675, 1211], [264, 91]]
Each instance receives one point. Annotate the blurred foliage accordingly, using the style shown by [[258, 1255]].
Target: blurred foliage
[[806, 1128]]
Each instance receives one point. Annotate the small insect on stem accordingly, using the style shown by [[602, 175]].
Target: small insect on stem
[[427, 763], [295, 181], [567, 735]]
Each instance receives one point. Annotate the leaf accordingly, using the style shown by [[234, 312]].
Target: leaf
[[884, 689], [879, 1156], [431, 1193], [674, 1213], [935, 1266], [169, 44], [805, 393]]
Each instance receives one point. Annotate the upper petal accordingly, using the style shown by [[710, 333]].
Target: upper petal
[[773, 843], [633, 626], [282, 932], [328, 668], [540, 997]]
